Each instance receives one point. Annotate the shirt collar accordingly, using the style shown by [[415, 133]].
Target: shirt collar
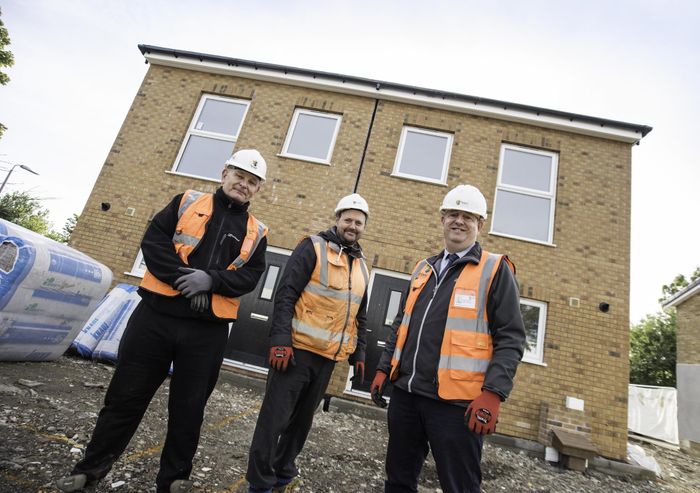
[[460, 254]]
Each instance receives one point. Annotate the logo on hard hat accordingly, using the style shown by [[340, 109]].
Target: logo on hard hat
[[254, 164]]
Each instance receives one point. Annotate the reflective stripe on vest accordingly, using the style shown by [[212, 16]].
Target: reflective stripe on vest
[[194, 213], [325, 314], [467, 346]]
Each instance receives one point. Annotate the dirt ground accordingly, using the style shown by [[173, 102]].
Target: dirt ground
[[48, 410]]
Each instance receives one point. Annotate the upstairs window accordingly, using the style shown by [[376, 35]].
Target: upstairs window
[[525, 194], [211, 136], [423, 155], [311, 136]]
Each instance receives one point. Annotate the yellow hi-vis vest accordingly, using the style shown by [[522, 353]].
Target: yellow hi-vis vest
[[195, 211], [467, 346], [324, 315]]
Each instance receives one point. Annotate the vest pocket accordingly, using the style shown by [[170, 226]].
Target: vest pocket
[[470, 353]]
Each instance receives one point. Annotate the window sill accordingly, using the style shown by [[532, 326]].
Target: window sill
[[533, 362], [520, 238], [304, 159], [134, 274], [203, 178], [419, 179]]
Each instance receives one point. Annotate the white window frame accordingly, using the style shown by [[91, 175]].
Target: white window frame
[[292, 126], [536, 355], [551, 195], [191, 130], [399, 155], [138, 270]]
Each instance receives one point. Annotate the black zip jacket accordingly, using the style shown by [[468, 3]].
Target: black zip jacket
[[296, 276], [220, 246], [421, 352]]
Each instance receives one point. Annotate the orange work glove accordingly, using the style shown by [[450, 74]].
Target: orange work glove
[[376, 389], [280, 357], [482, 414]]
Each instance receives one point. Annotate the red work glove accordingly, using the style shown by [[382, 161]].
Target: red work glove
[[376, 389], [280, 357], [482, 414], [358, 375]]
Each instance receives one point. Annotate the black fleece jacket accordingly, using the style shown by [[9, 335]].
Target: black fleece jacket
[[220, 245], [421, 352], [296, 276]]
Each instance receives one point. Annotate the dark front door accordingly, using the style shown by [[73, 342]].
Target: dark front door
[[384, 303], [248, 341]]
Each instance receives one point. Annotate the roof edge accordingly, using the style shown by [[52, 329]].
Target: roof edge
[[682, 295], [614, 129]]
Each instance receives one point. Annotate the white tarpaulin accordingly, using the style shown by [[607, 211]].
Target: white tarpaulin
[[653, 412]]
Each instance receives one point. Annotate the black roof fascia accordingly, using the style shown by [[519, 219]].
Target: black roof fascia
[[379, 84]]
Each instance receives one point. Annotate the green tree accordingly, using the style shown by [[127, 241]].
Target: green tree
[[678, 283], [26, 211], [653, 350], [6, 59]]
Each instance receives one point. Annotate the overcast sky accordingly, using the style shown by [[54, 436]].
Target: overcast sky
[[77, 70]]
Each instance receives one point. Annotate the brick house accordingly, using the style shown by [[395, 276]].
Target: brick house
[[687, 305], [325, 135]]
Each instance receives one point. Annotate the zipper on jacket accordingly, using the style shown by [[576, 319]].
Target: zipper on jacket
[[218, 233], [427, 309], [347, 314]]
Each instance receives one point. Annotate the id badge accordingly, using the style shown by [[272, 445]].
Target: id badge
[[465, 298]]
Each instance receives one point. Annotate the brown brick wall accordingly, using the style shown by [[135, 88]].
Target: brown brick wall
[[688, 336], [585, 350]]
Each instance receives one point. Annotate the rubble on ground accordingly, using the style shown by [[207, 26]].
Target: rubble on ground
[[48, 410]]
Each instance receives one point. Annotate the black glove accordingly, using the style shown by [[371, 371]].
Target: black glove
[[194, 281], [200, 302], [376, 389]]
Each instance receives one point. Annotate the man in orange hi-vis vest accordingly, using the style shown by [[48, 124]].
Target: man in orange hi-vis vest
[[202, 251], [451, 355], [319, 319]]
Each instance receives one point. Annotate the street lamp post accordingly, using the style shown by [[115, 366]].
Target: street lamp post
[[24, 167]]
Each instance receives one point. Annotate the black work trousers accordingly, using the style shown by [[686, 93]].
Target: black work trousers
[[285, 418], [418, 424], [151, 341]]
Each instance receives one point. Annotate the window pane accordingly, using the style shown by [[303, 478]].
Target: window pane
[[312, 136], [526, 169], [393, 307], [531, 318], [223, 117], [270, 280], [423, 155], [204, 156], [522, 215]]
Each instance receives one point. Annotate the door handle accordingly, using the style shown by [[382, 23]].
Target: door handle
[[257, 316]]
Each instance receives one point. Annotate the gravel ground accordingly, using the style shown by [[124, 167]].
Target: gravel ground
[[48, 410]]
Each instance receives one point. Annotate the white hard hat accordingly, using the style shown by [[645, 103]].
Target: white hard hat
[[465, 198], [353, 201], [249, 160]]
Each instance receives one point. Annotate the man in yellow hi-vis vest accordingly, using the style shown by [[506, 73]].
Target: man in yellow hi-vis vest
[[202, 251], [319, 319], [451, 355]]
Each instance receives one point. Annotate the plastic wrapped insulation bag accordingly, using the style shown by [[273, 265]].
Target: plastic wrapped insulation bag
[[100, 336], [47, 292]]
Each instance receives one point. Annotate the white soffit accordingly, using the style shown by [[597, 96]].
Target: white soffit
[[501, 112]]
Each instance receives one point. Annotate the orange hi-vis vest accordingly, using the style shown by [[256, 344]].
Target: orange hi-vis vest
[[195, 211], [324, 315], [467, 346]]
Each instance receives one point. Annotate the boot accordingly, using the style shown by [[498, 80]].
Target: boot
[[77, 483], [181, 486]]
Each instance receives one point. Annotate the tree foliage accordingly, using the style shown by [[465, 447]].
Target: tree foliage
[[26, 211], [678, 283], [653, 350], [6, 59]]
